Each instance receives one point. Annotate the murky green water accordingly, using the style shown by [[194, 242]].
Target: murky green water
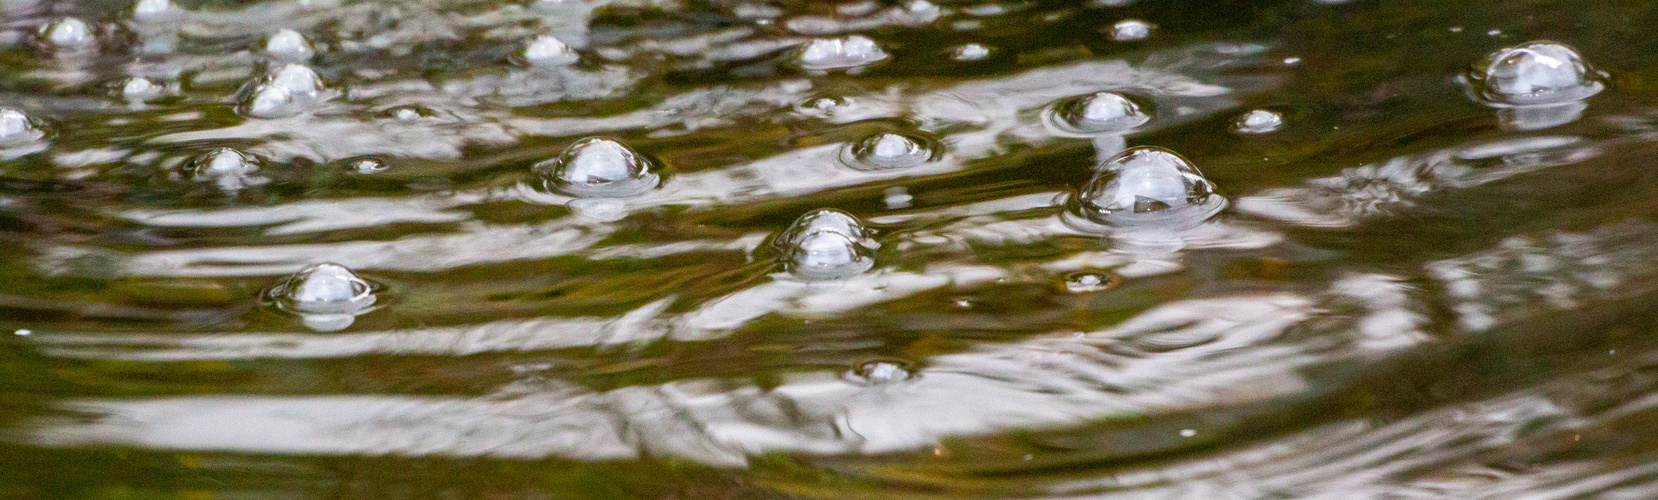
[[1170, 249]]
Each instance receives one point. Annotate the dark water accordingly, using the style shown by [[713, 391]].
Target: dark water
[[1400, 265]]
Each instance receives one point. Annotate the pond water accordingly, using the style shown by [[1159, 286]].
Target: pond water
[[751, 249]]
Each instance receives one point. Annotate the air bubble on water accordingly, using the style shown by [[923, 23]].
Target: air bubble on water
[[897, 197], [287, 91], [290, 46], [916, 13], [969, 52], [1147, 184], [17, 128], [69, 34], [827, 244], [880, 373], [1129, 30], [1535, 73], [368, 166], [139, 89], [1098, 113], [229, 169], [888, 150], [152, 9], [840, 53], [1258, 121], [599, 167], [327, 297], [1089, 282], [549, 51], [23, 332]]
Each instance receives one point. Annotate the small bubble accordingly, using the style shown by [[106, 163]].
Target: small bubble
[[288, 91], [1534, 73], [917, 13], [368, 166], [1129, 30], [228, 168], [18, 128], [964, 303], [290, 46], [827, 244], [1494, 32], [326, 296], [1259, 121], [1146, 180], [840, 53], [1291, 61], [548, 51], [1098, 113], [598, 167], [969, 52], [152, 9], [1188, 432], [1089, 282], [881, 372], [140, 89], [887, 150], [68, 33], [23, 332], [1456, 29]]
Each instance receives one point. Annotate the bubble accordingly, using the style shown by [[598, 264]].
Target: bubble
[[840, 53], [289, 45], [228, 168], [1089, 282], [1129, 30], [887, 150], [368, 166], [288, 91], [140, 89], [1534, 73], [827, 244], [598, 167], [1258, 121], [152, 9], [67, 34], [1098, 113], [17, 128], [880, 372], [917, 13], [969, 52], [326, 296], [1146, 181], [548, 50]]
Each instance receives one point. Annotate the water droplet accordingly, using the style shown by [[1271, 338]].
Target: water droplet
[[1089, 282], [140, 89], [840, 53], [548, 50], [326, 296], [1259, 121], [1098, 113], [881, 372], [1143, 181], [1129, 30], [67, 34], [887, 150], [969, 52], [18, 128], [1534, 73], [289, 45], [288, 91], [152, 9], [827, 244], [598, 167]]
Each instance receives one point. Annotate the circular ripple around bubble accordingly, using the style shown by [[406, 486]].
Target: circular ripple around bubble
[[1147, 185], [827, 244], [1095, 114], [599, 167]]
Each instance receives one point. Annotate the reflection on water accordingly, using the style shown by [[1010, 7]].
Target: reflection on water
[[626, 249]]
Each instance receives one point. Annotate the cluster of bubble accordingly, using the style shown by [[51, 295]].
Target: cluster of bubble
[[285, 91]]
